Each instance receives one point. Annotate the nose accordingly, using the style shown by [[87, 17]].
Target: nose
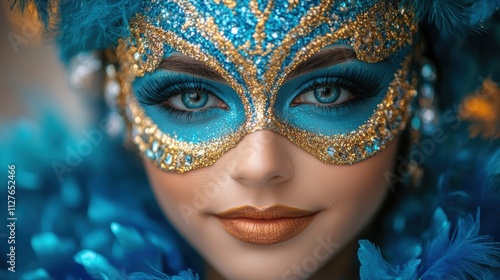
[[261, 159]]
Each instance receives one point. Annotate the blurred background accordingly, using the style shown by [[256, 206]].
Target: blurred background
[[44, 109], [31, 70]]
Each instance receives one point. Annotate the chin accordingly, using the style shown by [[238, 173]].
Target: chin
[[297, 258]]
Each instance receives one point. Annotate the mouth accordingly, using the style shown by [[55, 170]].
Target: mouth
[[265, 226]]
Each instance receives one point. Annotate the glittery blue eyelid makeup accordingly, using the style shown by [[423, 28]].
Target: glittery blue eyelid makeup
[[366, 83], [154, 89]]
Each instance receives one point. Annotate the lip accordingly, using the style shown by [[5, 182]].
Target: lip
[[265, 225]]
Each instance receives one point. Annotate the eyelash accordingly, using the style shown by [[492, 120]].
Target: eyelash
[[350, 82], [158, 91]]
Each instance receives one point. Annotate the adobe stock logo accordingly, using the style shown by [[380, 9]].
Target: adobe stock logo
[[29, 30], [76, 153], [310, 264]]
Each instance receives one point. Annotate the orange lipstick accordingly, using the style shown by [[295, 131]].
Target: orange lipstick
[[265, 226]]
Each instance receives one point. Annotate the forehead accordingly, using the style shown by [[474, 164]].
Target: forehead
[[267, 38]]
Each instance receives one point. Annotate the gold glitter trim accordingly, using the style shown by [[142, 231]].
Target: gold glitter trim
[[231, 4], [292, 4], [140, 25], [388, 120], [259, 34], [364, 31], [170, 154]]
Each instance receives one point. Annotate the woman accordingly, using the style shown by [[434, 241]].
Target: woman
[[272, 134]]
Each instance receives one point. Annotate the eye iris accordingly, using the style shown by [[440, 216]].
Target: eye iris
[[194, 100], [328, 94]]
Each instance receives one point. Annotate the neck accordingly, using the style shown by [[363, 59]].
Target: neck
[[342, 266]]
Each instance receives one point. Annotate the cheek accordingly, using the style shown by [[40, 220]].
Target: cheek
[[361, 182], [181, 196], [352, 194]]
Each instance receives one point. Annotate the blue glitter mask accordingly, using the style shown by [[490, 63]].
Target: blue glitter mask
[[255, 46]]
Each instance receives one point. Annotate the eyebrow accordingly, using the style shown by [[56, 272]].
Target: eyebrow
[[188, 65], [322, 59], [327, 57]]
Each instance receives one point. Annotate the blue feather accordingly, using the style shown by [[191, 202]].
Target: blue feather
[[482, 10], [493, 173], [463, 256], [454, 17], [84, 25], [373, 265], [42, 8], [183, 275], [87, 25]]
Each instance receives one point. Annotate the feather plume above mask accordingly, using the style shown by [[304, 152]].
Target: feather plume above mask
[[88, 25], [455, 17], [84, 25]]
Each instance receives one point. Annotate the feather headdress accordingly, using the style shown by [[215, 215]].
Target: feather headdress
[[86, 25], [83, 25], [454, 17]]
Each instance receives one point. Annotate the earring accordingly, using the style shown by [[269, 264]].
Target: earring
[[85, 71], [424, 121], [112, 90]]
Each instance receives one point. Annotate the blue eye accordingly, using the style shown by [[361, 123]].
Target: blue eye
[[194, 100], [323, 95], [327, 94], [191, 108], [181, 96]]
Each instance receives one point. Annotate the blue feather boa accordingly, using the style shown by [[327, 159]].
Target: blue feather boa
[[455, 17], [463, 255]]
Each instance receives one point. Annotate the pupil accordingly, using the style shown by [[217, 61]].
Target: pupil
[[194, 99], [194, 96], [327, 94], [324, 92]]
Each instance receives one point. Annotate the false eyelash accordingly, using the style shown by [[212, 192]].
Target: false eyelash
[[360, 91], [359, 83], [157, 91]]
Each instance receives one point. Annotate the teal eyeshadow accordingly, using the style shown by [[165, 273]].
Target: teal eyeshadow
[[345, 117], [200, 126]]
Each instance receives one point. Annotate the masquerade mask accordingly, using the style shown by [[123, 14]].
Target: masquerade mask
[[197, 76]]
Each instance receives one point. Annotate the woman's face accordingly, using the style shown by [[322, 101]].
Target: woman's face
[[263, 170], [268, 131]]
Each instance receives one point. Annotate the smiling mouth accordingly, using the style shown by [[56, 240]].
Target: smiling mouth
[[265, 226]]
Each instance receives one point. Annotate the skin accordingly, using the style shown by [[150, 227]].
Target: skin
[[264, 169]]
